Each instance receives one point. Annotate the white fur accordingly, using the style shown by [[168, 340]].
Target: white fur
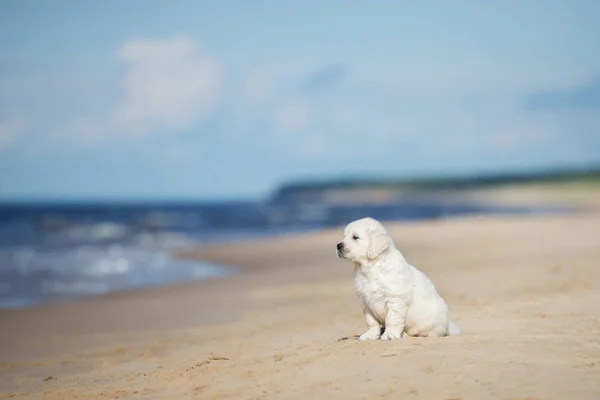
[[393, 294]]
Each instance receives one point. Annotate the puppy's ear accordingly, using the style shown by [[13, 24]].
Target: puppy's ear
[[379, 243]]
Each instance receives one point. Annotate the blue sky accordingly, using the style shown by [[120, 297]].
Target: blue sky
[[197, 99]]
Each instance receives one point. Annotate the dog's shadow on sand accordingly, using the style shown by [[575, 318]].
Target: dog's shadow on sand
[[354, 337]]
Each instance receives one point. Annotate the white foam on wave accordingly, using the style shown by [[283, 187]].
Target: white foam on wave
[[167, 240], [37, 275], [98, 231]]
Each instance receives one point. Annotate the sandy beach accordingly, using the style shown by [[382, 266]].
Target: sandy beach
[[525, 290]]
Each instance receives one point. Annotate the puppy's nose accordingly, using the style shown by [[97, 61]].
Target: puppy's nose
[[340, 245]]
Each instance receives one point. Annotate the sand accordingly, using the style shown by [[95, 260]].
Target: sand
[[525, 290]]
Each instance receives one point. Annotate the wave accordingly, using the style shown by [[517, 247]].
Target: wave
[[29, 275], [67, 251]]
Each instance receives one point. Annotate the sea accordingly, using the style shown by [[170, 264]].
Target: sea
[[53, 252]]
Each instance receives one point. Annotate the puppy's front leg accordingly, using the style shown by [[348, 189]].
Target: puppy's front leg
[[373, 327], [395, 319]]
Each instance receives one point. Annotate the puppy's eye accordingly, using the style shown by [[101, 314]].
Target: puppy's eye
[[354, 237]]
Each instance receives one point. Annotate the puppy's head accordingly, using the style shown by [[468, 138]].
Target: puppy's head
[[364, 240]]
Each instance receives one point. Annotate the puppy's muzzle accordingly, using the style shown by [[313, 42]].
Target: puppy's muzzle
[[341, 250]]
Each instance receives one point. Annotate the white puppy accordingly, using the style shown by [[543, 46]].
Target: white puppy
[[393, 294]]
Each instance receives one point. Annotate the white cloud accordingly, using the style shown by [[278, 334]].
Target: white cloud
[[11, 129], [168, 85]]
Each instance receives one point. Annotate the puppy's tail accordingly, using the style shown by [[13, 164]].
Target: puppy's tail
[[453, 329]]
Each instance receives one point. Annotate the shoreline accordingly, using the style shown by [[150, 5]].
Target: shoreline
[[197, 252]]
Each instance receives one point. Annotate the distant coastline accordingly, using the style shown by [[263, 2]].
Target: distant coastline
[[377, 190]]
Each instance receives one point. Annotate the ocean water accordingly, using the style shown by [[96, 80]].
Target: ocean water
[[55, 252]]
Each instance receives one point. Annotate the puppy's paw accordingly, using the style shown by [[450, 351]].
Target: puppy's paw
[[391, 334], [371, 334]]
